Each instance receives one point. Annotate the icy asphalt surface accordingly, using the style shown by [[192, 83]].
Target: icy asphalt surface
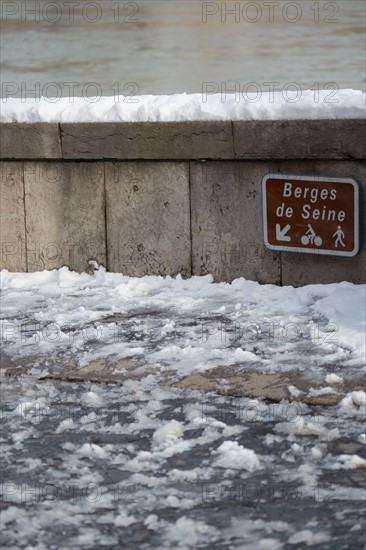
[[112, 439]]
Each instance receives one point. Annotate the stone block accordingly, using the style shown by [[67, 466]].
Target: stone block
[[148, 218], [30, 141], [227, 234], [65, 214], [299, 139], [12, 218], [147, 140]]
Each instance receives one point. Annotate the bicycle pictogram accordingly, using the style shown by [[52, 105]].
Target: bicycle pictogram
[[311, 237]]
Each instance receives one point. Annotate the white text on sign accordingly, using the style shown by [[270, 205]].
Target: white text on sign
[[308, 211]]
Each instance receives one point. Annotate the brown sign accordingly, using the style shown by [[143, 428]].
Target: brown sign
[[310, 214]]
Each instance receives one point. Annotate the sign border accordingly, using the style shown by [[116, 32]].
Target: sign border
[[314, 251]]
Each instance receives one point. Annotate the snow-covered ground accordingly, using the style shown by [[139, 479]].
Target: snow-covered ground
[[186, 325], [139, 463], [299, 104]]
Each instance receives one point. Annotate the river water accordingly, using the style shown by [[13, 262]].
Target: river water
[[159, 47]]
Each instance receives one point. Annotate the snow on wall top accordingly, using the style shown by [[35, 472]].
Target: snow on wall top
[[308, 104]]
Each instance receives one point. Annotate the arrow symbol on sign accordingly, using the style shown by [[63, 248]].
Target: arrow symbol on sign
[[281, 233]]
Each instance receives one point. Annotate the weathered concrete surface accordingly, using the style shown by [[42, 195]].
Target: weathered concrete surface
[[251, 140], [148, 140], [148, 218], [230, 381], [30, 141], [65, 211], [226, 210], [12, 219], [299, 139], [304, 269], [238, 382], [98, 371]]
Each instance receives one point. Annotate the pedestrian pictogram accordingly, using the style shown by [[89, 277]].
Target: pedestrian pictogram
[[311, 214], [340, 236]]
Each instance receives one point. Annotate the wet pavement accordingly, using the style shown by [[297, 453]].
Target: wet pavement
[[137, 463], [179, 414]]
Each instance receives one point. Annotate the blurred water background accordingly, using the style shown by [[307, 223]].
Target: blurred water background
[[171, 46]]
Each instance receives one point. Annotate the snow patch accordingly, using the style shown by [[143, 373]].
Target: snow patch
[[333, 379], [189, 533], [349, 462], [181, 107], [355, 399], [234, 456], [309, 538], [90, 450]]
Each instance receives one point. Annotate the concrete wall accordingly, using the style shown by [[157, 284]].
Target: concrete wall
[[167, 198]]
